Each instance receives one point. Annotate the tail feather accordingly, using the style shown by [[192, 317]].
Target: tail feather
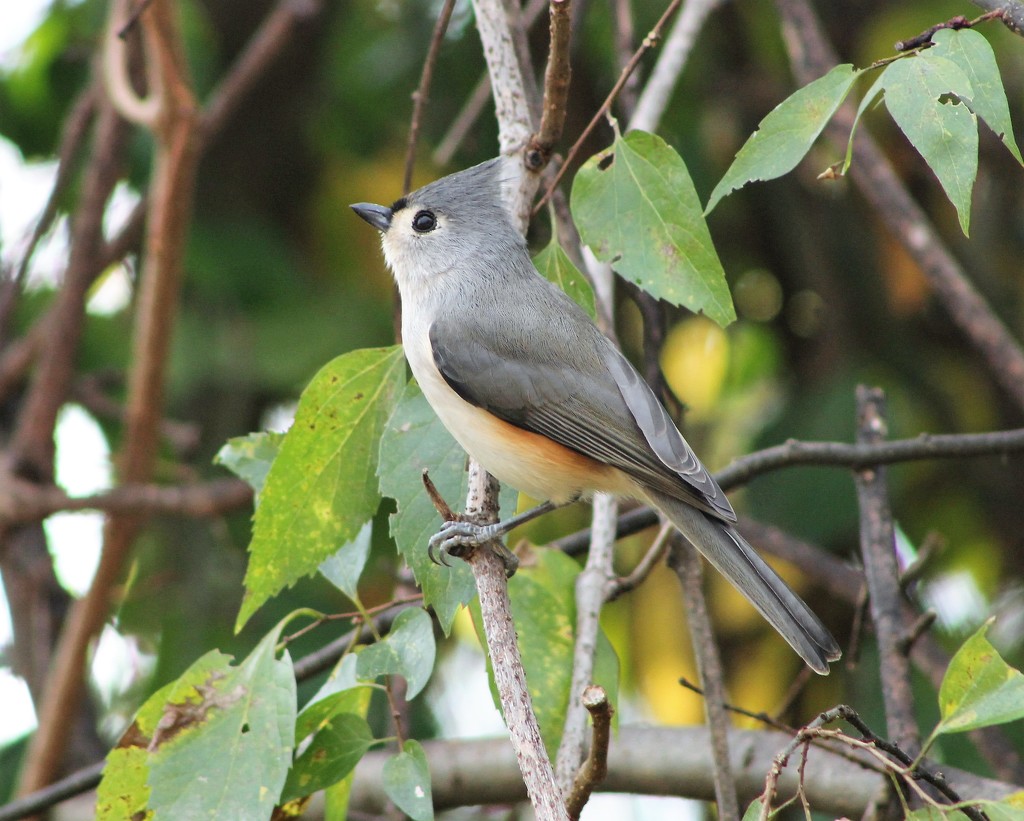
[[732, 556]]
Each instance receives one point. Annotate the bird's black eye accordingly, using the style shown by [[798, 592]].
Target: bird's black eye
[[424, 221]]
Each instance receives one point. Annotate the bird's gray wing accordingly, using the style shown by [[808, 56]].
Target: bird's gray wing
[[596, 405]]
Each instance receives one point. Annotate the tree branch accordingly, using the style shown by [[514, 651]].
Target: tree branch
[[556, 87], [1013, 12], [686, 563], [422, 93], [878, 551], [170, 112]]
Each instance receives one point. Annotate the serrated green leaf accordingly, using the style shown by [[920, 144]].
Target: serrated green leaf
[[334, 752], [122, 792], [945, 133], [544, 612], [785, 136], [979, 688], [556, 266], [223, 751], [250, 457], [406, 780], [637, 209], [973, 54], [322, 486], [408, 650], [414, 440], [344, 568]]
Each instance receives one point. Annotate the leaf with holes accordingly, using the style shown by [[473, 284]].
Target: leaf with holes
[[784, 137], [942, 128], [637, 209], [322, 487], [972, 52]]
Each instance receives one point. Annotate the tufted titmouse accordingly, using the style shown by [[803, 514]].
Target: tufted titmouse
[[535, 393]]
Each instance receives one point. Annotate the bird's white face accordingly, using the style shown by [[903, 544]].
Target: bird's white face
[[419, 244]]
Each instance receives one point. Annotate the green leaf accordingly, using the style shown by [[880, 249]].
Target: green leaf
[[556, 266], [979, 688], [222, 748], [753, 811], [935, 814], [945, 132], [250, 457], [322, 486], [785, 136], [408, 650], [406, 780], [544, 612], [336, 749], [1010, 808], [414, 440], [122, 792], [340, 693], [973, 54], [344, 568], [637, 209]]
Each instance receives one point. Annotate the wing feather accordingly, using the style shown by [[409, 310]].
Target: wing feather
[[616, 419]]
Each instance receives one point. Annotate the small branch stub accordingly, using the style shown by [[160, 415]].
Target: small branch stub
[[595, 768]]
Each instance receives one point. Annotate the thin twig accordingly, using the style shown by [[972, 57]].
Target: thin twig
[[649, 42], [422, 93], [651, 559], [687, 564], [595, 768], [955, 23]]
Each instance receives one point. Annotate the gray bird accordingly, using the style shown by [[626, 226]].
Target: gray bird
[[535, 393]]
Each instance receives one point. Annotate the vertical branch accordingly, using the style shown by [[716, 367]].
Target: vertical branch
[[686, 563], [171, 113], [506, 660], [514, 127], [515, 122], [592, 588], [556, 87], [881, 570]]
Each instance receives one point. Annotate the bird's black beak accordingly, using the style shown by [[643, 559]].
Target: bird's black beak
[[379, 216]]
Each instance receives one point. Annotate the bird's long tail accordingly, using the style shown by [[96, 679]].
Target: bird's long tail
[[732, 556]]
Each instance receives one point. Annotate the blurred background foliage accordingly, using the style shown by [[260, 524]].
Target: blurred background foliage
[[281, 277]]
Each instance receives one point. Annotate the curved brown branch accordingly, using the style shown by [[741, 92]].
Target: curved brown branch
[[595, 768]]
